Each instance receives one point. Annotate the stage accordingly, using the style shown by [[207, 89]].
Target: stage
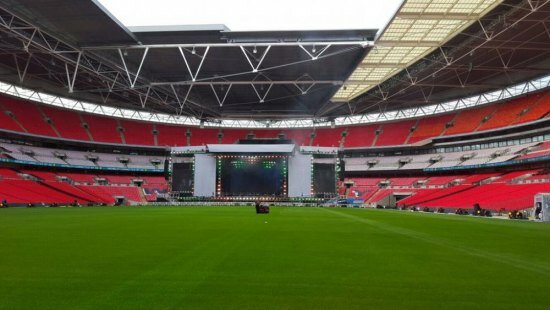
[[280, 172]]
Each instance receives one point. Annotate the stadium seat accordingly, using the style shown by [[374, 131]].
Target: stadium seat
[[6, 173], [266, 134], [67, 123], [327, 137], [103, 129], [360, 136], [506, 113], [231, 136], [7, 122], [29, 116], [430, 127], [538, 108], [138, 133], [394, 133], [469, 120], [131, 193], [203, 136], [300, 136], [171, 135]]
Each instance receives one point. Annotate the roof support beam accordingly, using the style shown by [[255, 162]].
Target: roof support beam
[[261, 96], [128, 73], [61, 52], [181, 103], [257, 66], [71, 80], [314, 54], [255, 82], [365, 43], [202, 57], [144, 100], [221, 101], [488, 34], [140, 65], [305, 89], [22, 73], [27, 44]]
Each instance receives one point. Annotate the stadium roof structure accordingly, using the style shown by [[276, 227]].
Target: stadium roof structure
[[418, 28], [204, 71], [434, 51], [431, 52]]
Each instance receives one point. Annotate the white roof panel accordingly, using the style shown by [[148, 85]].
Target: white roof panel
[[417, 29]]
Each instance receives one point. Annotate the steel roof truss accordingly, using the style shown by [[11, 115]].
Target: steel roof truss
[[22, 73], [314, 54], [72, 78], [221, 101], [259, 62], [262, 97], [202, 57]]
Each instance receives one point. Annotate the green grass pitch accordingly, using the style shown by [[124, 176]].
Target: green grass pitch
[[293, 258]]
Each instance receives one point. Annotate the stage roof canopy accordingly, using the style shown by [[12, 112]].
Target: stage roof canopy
[[250, 148]]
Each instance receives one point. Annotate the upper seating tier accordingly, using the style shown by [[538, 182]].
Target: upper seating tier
[[430, 127], [103, 129], [67, 122], [394, 133], [138, 132], [29, 116], [32, 118]]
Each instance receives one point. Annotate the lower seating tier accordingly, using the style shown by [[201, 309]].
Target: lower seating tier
[[47, 187], [493, 191]]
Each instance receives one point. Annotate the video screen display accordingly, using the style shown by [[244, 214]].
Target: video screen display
[[324, 179], [251, 175], [182, 177]]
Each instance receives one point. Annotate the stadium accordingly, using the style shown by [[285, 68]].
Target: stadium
[[195, 166]]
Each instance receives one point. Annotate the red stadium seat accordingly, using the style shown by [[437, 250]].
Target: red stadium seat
[[300, 136], [171, 135], [266, 134], [539, 108], [204, 136], [6, 173], [361, 136], [7, 123], [139, 133], [328, 137], [29, 116], [430, 127], [469, 120], [231, 136], [67, 123], [103, 129], [506, 113], [394, 133]]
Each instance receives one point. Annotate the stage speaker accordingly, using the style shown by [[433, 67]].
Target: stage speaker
[[342, 170], [166, 169]]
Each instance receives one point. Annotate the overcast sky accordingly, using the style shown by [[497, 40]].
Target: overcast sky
[[241, 15]]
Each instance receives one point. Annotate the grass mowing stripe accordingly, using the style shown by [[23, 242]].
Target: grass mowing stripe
[[510, 261]]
